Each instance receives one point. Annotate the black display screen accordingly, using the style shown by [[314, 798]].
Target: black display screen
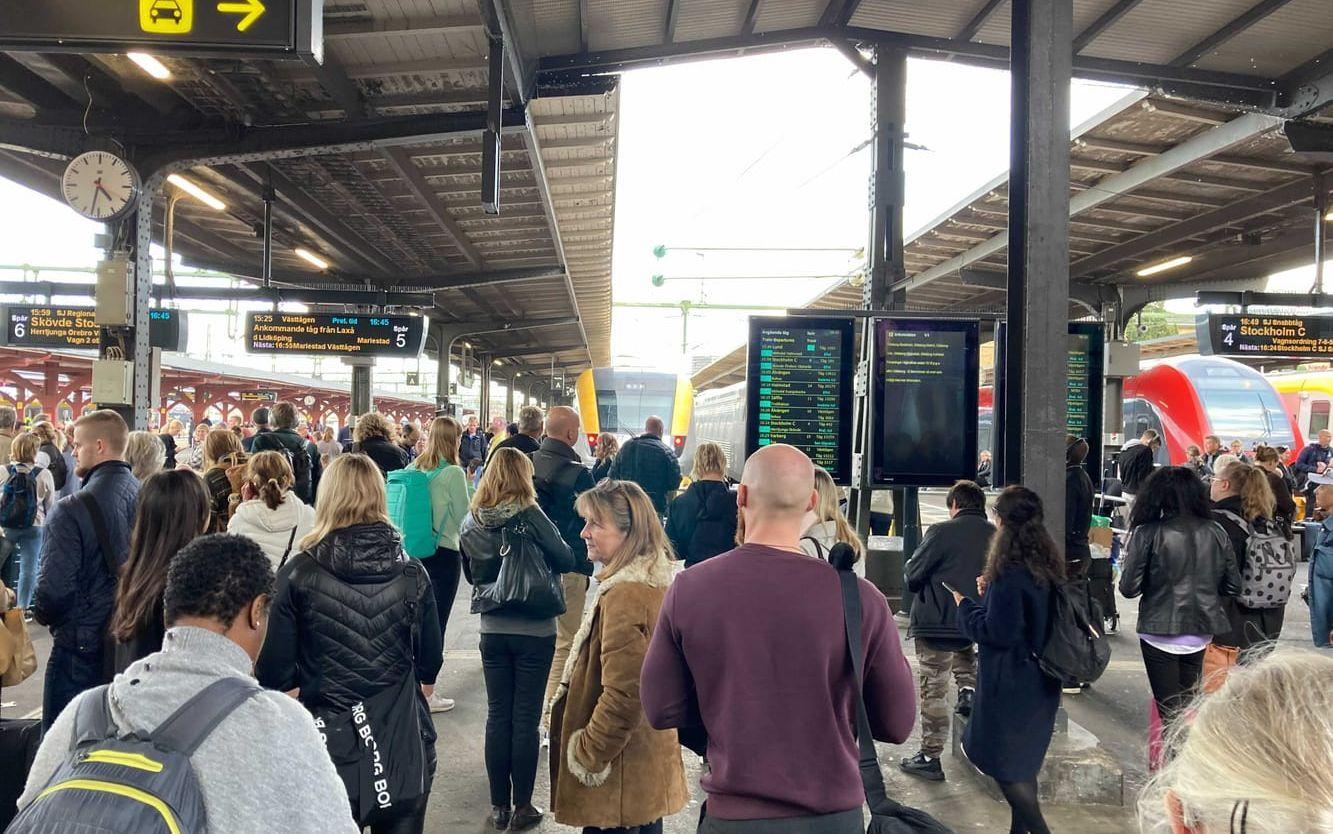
[[799, 389], [1260, 335], [926, 375], [319, 334], [75, 328]]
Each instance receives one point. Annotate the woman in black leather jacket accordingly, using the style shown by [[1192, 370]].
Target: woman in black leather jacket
[[352, 617], [1179, 560], [517, 642]]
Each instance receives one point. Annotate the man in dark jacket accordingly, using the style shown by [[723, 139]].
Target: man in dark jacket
[[1136, 461], [529, 435], [472, 446], [560, 477], [952, 552], [76, 584], [260, 418], [285, 440], [650, 463], [1078, 509], [1313, 460]]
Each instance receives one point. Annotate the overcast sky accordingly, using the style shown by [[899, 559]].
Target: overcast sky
[[757, 152]]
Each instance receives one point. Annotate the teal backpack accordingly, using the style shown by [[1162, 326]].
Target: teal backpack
[[410, 510]]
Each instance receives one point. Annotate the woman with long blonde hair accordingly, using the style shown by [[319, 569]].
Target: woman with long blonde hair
[[826, 525], [505, 526], [1243, 503], [270, 512], [352, 618], [449, 503], [601, 677], [701, 521]]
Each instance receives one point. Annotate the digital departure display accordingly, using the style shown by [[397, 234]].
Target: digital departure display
[[75, 328], [1085, 378], [799, 389], [319, 334], [1264, 334], [926, 375]]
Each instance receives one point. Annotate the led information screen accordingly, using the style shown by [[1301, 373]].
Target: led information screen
[[200, 28], [1249, 334], [799, 388], [75, 328], [318, 334], [926, 374], [1085, 379]]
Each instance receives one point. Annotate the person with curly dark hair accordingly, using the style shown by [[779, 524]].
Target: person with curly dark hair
[[1013, 714], [216, 606]]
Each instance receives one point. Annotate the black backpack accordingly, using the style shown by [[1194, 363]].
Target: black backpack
[[1076, 650], [298, 459], [18, 500], [57, 466], [712, 525]]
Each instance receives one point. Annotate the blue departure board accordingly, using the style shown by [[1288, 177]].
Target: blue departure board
[[799, 388]]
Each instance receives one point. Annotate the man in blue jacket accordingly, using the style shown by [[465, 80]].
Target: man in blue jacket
[[649, 462], [1313, 460], [85, 541]]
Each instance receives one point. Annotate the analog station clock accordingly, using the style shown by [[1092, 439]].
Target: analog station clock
[[100, 185]]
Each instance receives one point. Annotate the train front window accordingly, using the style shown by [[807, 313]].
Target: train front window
[[625, 410], [1319, 412], [1246, 414]]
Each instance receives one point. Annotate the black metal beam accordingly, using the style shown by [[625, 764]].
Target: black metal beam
[[856, 56], [416, 182], [1108, 19], [747, 25], [332, 78], [970, 29], [583, 25], [257, 144], [45, 97], [838, 12], [1232, 29], [487, 278], [46, 140], [672, 15], [1263, 299], [535, 351], [1272, 200], [490, 141], [500, 23]]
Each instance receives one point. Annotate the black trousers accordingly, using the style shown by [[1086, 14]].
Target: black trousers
[[515, 667], [1262, 627], [1101, 585], [444, 568], [650, 828], [68, 673], [1173, 679]]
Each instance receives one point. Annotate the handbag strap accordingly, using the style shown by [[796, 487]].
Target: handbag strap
[[99, 527], [290, 541], [872, 779]]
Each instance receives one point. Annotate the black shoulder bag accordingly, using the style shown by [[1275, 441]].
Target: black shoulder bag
[[887, 816]]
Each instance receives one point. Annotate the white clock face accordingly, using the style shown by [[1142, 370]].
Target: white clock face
[[100, 185]]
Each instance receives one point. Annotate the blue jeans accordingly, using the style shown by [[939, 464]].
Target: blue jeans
[[1321, 597], [28, 544]]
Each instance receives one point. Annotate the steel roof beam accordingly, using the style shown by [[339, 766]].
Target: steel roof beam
[[45, 97], [536, 351], [1230, 30], [379, 27], [522, 72], [1278, 198], [257, 144], [1108, 19], [970, 29], [672, 16], [1186, 153], [747, 25], [412, 175]]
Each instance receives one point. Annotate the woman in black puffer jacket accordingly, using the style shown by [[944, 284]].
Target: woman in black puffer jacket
[[353, 621], [376, 438], [701, 521]]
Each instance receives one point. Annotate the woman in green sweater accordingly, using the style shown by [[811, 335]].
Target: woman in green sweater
[[449, 502]]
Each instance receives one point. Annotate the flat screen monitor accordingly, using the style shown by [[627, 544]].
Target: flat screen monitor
[[799, 388], [343, 334], [926, 374]]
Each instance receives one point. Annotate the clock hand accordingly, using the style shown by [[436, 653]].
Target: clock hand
[[96, 194]]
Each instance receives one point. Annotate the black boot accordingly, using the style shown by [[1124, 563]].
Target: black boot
[[965, 697], [525, 817], [924, 767], [499, 818]]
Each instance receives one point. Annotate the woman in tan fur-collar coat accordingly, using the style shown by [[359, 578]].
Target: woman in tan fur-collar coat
[[610, 771]]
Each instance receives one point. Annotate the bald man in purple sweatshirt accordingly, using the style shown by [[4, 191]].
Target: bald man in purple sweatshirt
[[750, 647]]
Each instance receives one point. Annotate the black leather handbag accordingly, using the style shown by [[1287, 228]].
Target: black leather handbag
[[887, 816], [525, 585]]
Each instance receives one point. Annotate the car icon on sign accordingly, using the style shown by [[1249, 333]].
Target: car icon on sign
[[165, 10]]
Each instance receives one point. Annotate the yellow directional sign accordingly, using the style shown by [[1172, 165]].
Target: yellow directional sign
[[252, 9], [166, 17]]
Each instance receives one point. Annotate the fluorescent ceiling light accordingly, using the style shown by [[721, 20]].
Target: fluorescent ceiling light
[[311, 258], [1329, 216], [196, 192], [1164, 266], [150, 65]]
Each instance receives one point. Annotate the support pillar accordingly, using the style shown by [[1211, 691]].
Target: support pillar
[[1320, 231], [484, 399], [510, 414], [362, 398], [1038, 286]]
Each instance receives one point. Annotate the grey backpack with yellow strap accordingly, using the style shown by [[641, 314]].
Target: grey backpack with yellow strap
[[111, 782]]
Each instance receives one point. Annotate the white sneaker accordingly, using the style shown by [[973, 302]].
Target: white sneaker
[[439, 703]]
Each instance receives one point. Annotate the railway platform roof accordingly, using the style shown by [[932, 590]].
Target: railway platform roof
[[1152, 179]]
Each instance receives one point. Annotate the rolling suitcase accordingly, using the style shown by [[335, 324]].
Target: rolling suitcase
[[19, 738]]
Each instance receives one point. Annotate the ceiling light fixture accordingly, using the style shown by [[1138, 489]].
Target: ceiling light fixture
[[150, 65], [311, 258], [196, 192], [1164, 266]]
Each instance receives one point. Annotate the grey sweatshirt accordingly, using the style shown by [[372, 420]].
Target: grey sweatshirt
[[263, 769]]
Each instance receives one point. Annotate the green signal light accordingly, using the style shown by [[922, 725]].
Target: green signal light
[[660, 251], [659, 280]]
